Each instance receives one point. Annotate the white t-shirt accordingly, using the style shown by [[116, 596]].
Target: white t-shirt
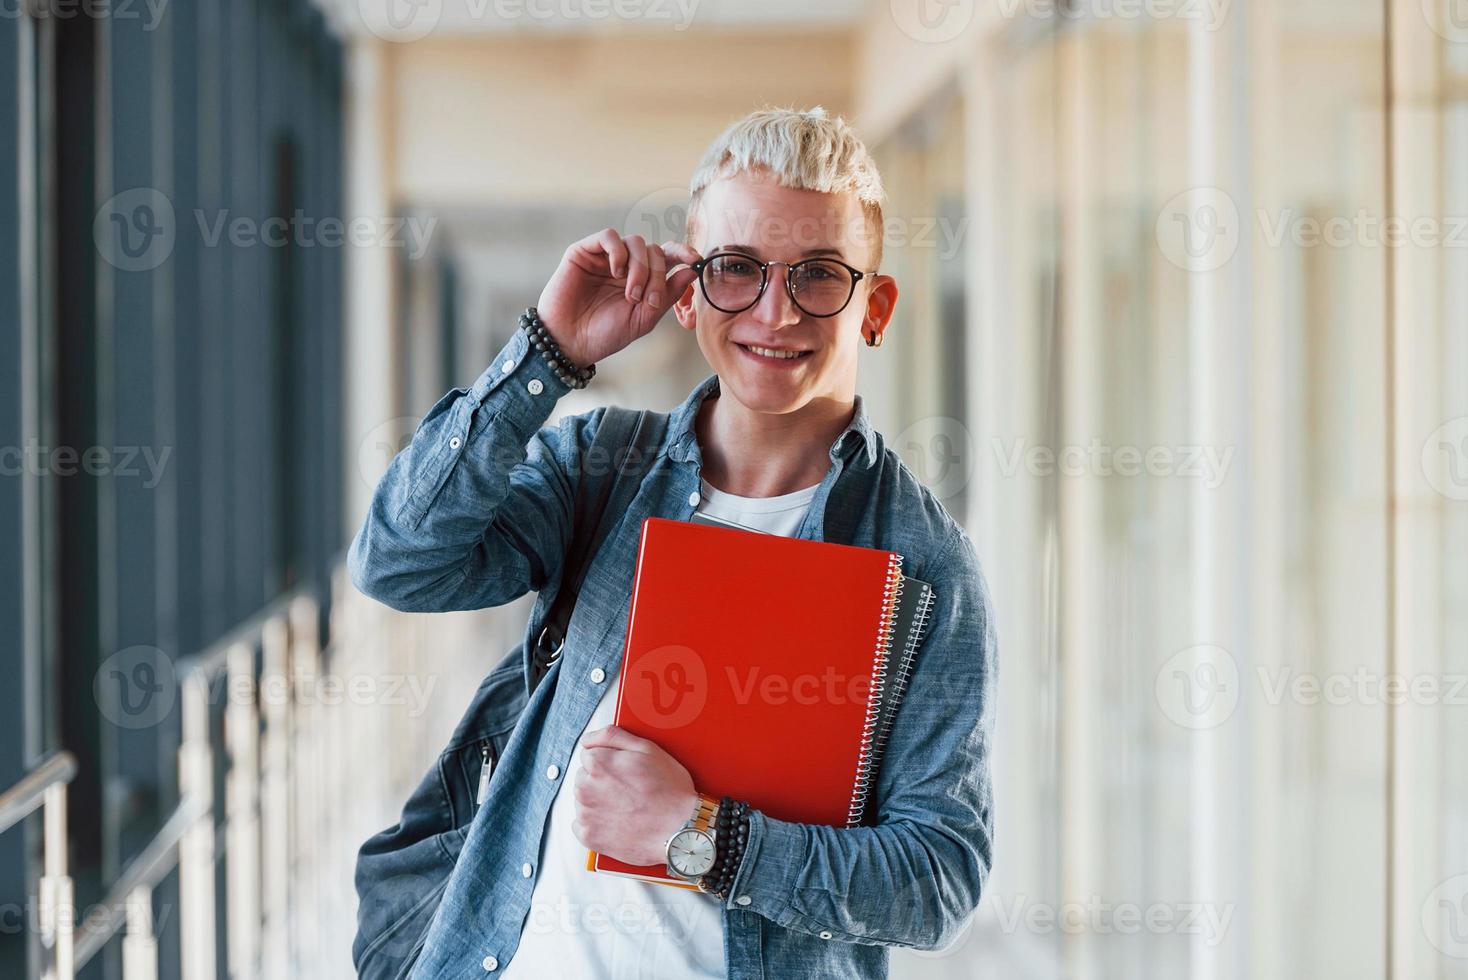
[[592, 926]]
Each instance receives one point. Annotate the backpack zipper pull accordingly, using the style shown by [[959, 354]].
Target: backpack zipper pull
[[485, 768]]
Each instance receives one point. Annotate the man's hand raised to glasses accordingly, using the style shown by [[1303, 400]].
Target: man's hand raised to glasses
[[609, 291]]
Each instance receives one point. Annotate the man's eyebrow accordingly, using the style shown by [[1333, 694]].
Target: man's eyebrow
[[751, 250]]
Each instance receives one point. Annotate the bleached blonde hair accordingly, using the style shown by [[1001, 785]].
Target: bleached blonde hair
[[806, 149]]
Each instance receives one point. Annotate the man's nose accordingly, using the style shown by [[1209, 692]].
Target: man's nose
[[775, 307]]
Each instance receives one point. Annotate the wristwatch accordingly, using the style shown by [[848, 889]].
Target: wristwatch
[[691, 850]]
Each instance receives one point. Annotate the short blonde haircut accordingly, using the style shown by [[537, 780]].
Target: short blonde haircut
[[805, 149]]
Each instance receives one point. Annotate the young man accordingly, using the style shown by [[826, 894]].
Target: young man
[[778, 287]]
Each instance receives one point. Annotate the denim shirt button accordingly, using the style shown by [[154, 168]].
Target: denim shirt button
[[507, 367], [693, 499], [454, 443], [598, 675], [490, 963], [525, 870], [551, 772], [535, 386], [825, 934], [742, 900]]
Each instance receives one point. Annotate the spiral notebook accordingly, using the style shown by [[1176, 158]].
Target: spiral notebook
[[771, 667]]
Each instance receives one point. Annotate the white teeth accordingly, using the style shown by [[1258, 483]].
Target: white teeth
[[766, 352]]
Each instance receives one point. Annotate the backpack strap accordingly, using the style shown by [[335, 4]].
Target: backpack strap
[[629, 440]]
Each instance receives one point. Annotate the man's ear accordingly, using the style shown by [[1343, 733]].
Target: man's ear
[[683, 308], [881, 302]]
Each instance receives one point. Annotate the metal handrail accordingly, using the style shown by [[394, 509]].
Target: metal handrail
[[29, 792], [145, 871], [212, 659], [45, 786]]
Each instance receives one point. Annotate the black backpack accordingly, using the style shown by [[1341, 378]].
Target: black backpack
[[402, 872]]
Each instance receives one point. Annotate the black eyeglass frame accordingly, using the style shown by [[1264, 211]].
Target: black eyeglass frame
[[764, 280]]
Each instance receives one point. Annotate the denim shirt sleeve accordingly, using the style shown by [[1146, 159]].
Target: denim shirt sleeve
[[914, 878], [476, 510]]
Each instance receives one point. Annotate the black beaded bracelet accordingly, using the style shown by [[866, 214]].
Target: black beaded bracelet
[[540, 338], [729, 841]]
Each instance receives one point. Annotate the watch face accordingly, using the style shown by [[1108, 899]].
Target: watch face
[[691, 853]]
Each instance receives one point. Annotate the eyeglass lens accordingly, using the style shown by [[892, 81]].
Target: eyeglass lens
[[821, 288]]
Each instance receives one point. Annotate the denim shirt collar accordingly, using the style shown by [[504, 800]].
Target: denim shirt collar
[[683, 440]]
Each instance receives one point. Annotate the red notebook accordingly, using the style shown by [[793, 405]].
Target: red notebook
[[758, 661]]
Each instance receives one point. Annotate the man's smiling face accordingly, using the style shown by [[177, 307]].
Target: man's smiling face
[[753, 215]]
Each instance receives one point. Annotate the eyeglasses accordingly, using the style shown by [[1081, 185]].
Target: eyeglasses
[[733, 282]]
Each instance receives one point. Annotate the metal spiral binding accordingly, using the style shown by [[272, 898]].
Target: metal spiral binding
[[891, 593], [904, 666]]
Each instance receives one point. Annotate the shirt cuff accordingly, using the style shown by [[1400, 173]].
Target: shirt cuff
[[765, 878]]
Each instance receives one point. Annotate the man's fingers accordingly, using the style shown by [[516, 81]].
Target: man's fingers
[[681, 252], [657, 271], [609, 243], [613, 737], [636, 267]]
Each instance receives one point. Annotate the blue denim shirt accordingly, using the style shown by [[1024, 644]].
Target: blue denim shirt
[[476, 511]]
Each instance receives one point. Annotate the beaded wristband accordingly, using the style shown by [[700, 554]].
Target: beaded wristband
[[540, 338], [729, 840]]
